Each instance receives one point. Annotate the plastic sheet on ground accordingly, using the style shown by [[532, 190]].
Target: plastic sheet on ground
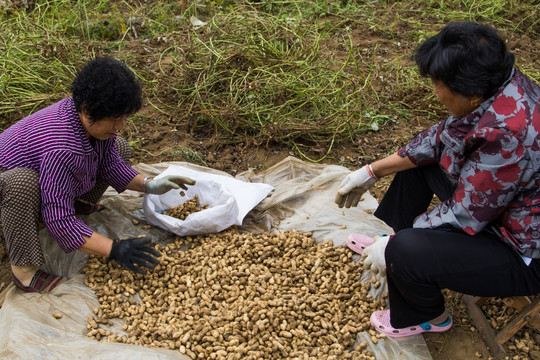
[[303, 200]]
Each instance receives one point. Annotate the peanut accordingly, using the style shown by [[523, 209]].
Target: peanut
[[239, 295]]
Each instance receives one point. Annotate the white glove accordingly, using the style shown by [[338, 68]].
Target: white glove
[[374, 255], [167, 183], [354, 185]]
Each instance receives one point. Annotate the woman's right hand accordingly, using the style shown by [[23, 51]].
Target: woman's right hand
[[353, 186], [135, 254]]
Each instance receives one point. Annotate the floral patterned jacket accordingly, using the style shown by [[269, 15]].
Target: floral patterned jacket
[[492, 157]]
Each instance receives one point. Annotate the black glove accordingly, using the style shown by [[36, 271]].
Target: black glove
[[133, 251]]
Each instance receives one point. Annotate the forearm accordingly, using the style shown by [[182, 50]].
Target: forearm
[[391, 165], [136, 184], [97, 244]]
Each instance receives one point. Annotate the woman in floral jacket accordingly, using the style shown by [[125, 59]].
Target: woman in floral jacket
[[483, 163]]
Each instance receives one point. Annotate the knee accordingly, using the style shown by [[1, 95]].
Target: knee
[[123, 148], [403, 249], [398, 244], [21, 184]]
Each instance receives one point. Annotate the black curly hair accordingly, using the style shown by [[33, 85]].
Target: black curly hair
[[105, 87], [470, 58]]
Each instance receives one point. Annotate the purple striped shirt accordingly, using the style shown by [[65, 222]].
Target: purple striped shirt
[[53, 142]]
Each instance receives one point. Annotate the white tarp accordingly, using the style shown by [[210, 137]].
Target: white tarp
[[303, 199]]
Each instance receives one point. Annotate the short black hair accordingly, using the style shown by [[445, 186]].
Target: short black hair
[[471, 59], [105, 87]]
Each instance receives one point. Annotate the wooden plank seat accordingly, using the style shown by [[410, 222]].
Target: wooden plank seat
[[527, 310]]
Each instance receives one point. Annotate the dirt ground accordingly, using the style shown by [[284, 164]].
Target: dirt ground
[[463, 340]]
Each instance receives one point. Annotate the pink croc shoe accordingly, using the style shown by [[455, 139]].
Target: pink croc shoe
[[381, 322], [358, 242]]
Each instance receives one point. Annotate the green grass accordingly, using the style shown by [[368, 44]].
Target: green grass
[[290, 72]]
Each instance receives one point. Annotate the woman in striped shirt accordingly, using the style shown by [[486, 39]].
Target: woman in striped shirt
[[59, 160]]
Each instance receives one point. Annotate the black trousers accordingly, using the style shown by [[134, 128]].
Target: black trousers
[[422, 262]]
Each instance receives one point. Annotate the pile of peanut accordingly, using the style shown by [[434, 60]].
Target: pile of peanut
[[190, 206], [239, 296]]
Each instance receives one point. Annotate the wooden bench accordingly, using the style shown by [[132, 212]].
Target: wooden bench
[[527, 311]]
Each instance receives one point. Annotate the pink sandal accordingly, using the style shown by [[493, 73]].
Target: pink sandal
[[381, 322], [358, 242]]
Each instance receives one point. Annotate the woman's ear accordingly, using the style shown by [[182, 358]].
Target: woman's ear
[[84, 115], [86, 120], [476, 100]]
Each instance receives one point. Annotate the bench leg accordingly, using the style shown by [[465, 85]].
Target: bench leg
[[526, 314], [484, 328]]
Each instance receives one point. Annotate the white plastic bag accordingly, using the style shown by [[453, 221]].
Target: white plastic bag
[[229, 200]]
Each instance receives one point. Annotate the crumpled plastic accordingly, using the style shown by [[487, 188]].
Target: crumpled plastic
[[303, 199]]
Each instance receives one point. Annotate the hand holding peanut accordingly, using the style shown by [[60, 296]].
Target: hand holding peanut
[[134, 254], [354, 186]]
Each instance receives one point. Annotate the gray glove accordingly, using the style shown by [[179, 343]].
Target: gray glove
[[167, 183]]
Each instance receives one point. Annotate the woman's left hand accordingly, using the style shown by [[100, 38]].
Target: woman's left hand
[[374, 255], [167, 183]]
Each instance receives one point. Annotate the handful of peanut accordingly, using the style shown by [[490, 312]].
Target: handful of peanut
[[239, 296]]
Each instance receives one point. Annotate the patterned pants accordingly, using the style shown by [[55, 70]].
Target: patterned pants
[[20, 202]]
